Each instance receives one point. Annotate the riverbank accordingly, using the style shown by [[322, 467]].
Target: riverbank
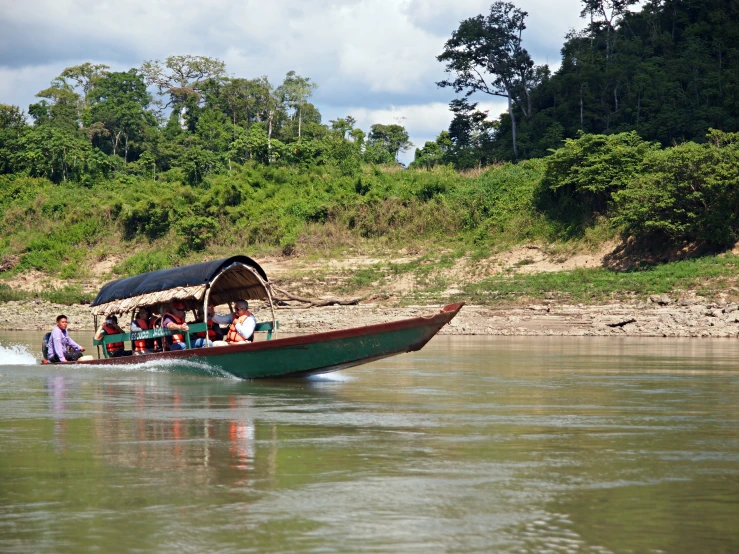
[[660, 316]]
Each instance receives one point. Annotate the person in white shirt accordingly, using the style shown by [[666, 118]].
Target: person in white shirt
[[242, 325]]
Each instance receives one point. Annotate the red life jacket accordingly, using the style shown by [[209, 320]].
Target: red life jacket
[[112, 346], [211, 332], [142, 345], [233, 335], [179, 321]]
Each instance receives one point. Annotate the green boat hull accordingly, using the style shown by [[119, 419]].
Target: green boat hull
[[309, 354]]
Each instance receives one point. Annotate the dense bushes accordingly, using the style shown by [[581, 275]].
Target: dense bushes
[[684, 194], [676, 195], [582, 175]]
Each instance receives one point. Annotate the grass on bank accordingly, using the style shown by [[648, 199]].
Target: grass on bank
[[708, 277], [68, 295]]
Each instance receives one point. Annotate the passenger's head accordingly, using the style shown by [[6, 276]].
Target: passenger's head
[[60, 317], [241, 305], [178, 306], [112, 320], [61, 321], [142, 313]]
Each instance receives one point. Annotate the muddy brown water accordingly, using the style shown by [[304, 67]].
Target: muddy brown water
[[474, 444]]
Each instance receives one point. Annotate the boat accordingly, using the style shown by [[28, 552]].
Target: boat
[[221, 282]]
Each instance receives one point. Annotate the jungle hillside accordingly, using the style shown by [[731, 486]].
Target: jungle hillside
[[628, 150]]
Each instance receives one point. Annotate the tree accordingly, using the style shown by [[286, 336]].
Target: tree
[[181, 77], [392, 139], [12, 126], [295, 91], [343, 124], [606, 13], [434, 153], [59, 106], [84, 76], [485, 54], [471, 134], [54, 153], [118, 103]]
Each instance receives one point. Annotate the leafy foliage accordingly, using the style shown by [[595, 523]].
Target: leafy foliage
[[665, 70], [582, 176], [686, 193]]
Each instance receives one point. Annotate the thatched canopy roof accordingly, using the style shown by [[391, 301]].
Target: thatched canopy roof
[[228, 279]]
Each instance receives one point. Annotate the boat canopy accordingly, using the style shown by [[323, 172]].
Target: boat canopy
[[225, 280]]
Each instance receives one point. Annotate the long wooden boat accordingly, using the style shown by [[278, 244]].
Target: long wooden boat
[[223, 281]]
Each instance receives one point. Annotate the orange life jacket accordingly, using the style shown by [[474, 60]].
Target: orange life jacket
[[233, 334], [179, 321], [211, 332], [142, 345], [112, 346], [155, 322]]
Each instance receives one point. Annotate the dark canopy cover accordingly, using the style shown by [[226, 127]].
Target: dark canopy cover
[[165, 279]]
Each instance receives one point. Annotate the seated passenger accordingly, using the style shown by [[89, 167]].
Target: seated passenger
[[142, 322], [174, 320], [110, 327], [243, 324], [155, 322], [214, 330]]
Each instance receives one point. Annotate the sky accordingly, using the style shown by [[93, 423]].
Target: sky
[[372, 59]]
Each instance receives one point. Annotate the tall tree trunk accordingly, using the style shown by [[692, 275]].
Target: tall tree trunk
[[300, 120], [513, 127], [116, 137], [181, 119], [615, 98], [269, 135], [582, 117]]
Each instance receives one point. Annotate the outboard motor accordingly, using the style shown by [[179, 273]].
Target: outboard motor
[[45, 347]]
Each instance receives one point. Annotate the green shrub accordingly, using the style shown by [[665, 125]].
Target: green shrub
[[686, 193], [581, 177], [197, 232], [7, 293], [68, 295], [143, 262]]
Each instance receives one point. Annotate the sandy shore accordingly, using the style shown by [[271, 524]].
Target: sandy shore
[[658, 317]]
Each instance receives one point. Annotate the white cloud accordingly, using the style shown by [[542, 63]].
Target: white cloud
[[18, 86]]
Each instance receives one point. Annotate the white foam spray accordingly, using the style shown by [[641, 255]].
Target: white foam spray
[[16, 354], [167, 366]]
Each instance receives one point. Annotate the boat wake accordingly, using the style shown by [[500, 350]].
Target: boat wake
[[16, 354], [333, 377], [169, 366]]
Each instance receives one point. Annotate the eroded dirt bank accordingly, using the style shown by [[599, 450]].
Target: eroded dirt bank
[[686, 315], [658, 317]]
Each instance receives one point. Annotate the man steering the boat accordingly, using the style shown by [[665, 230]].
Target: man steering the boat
[[242, 325], [62, 348]]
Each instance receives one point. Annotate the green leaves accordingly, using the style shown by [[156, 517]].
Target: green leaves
[[582, 176], [686, 193]]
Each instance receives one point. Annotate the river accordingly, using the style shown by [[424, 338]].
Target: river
[[483, 444]]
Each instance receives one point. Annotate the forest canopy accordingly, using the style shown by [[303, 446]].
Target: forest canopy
[[668, 70]]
